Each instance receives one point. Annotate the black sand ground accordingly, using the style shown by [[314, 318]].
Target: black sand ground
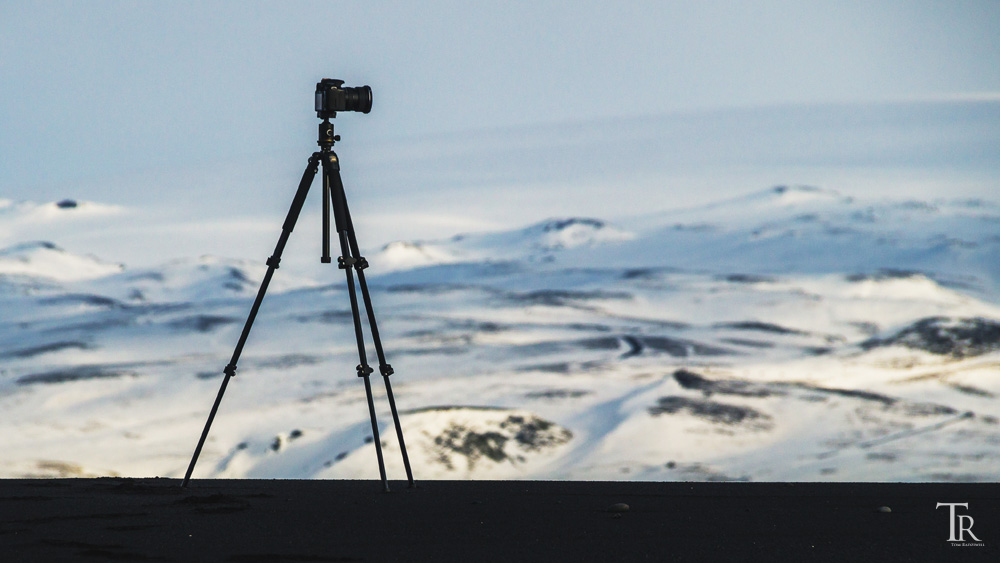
[[281, 520]]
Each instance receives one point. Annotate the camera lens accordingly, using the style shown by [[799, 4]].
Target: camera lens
[[358, 99]]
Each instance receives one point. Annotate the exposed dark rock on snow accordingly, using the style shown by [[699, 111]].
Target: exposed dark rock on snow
[[955, 337], [562, 224], [682, 348], [287, 361], [202, 323], [555, 367], [327, 317], [507, 439], [884, 274], [45, 349], [719, 413], [83, 299], [759, 344], [690, 380], [559, 298], [647, 273], [634, 345], [852, 393], [600, 343], [558, 394], [759, 327], [747, 278], [73, 374]]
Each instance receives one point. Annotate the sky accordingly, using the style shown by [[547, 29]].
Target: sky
[[95, 90]]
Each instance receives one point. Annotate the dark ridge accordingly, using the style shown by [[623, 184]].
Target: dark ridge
[[67, 375], [444, 350], [682, 348], [955, 337], [88, 327], [648, 273], [675, 348], [600, 343], [237, 275], [150, 276], [555, 297], [639, 273], [66, 204], [428, 288], [607, 343], [327, 317], [45, 349], [694, 227], [853, 393], [445, 408], [691, 380], [715, 412], [746, 278], [489, 327], [927, 409], [560, 224], [759, 326], [634, 346], [747, 343], [557, 367], [884, 274], [288, 361], [84, 298], [969, 390], [589, 327], [471, 325], [201, 323], [558, 394]]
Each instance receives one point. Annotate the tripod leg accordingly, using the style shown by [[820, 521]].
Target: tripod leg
[[272, 265], [384, 368], [325, 258], [331, 169]]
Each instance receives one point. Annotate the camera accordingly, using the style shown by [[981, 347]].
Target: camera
[[332, 96]]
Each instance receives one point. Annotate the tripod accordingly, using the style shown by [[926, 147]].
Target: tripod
[[350, 259]]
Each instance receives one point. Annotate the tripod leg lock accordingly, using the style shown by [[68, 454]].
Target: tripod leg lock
[[364, 370], [385, 370], [273, 261], [345, 262], [230, 370]]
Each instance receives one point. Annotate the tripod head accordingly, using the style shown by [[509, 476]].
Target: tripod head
[[332, 96], [326, 136]]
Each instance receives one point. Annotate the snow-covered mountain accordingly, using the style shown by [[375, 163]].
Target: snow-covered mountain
[[790, 334]]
